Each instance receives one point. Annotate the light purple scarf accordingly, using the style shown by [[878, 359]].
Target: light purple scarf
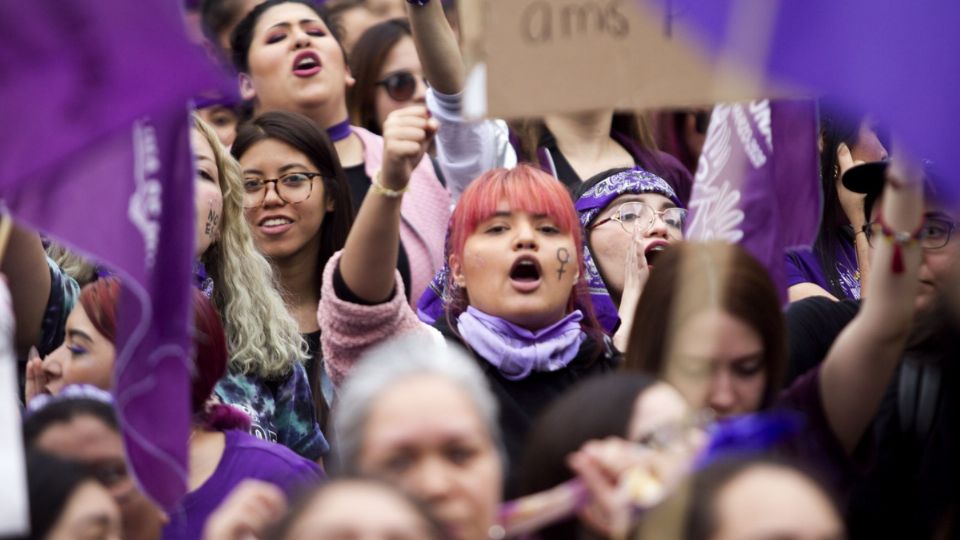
[[516, 351]]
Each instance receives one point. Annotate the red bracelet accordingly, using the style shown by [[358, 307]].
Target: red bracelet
[[899, 240]]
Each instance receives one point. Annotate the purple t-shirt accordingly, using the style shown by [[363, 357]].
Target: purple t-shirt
[[244, 457], [803, 266]]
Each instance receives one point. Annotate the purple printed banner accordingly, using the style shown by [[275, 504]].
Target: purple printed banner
[[757, 182], [895, 59], [97, 156]]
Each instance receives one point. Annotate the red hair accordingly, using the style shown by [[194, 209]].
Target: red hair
[[525, 189], [99, 301]]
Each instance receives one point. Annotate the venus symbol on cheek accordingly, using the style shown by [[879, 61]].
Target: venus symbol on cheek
[[564, 257]]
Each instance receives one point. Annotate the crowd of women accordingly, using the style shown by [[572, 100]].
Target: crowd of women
[[411, 325]]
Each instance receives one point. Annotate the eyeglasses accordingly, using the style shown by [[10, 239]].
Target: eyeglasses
[[638, 214], [934, 234], [401, 85], [292, 188]]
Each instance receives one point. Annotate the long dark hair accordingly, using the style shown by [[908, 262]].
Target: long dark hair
[[298, 132], [366, 61], [836, 127], [746, 292]]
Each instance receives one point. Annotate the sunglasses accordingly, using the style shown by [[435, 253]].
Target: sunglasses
[[401, 85]]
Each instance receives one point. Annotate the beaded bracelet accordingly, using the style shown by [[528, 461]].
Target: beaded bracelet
[[899, 240], [377, 187]]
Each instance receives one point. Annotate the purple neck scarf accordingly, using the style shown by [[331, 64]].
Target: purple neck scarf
[[589, 205], [339, 132], [516, 351]]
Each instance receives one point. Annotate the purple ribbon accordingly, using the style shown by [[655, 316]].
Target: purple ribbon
[[339, 132]]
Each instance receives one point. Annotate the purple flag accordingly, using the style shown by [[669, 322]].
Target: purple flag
[[895, 59], [97, 155], [757, 183]]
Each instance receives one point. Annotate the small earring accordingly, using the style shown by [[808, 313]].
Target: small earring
[[836, 171]]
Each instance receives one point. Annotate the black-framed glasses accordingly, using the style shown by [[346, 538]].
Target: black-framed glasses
[[292, 188], [401, 85], [934, 234], [637, 214]]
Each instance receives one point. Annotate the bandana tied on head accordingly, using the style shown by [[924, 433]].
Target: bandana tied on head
[[593, 201]]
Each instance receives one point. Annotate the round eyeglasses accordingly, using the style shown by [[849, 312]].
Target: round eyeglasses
[[401, 85], [292, 188], [934, 234], [641, 215]]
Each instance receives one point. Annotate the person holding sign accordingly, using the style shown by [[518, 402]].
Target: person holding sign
[[572, 147]]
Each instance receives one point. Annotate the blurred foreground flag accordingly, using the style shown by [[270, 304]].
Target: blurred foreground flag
[[897, 60], [94, 97], [14, 512], [757, 182]]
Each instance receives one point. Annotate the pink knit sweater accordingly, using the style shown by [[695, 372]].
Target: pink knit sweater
[[348, 330], [424, 213]]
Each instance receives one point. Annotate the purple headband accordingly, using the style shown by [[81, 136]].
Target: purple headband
[[589, 205]]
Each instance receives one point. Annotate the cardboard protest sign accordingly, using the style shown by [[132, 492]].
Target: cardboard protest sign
[[535, 57]]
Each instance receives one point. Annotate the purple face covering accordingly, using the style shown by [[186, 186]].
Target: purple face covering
[[589, 206]]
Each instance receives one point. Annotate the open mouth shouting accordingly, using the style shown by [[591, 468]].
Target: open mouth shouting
[[306, 64], [526, 274], [653, 251]]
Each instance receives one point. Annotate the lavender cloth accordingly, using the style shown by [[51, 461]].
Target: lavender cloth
[[589, 205], [803, 266], [98, 96], [244, 457], [518, 352]]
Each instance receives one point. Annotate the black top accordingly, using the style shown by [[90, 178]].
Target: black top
[[657, 162], [910, 482], [812, 325], [359, 184], [522, 401]]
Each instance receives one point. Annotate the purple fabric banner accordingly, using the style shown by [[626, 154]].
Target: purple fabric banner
[[757, 183], [895, 59], [97, 156]]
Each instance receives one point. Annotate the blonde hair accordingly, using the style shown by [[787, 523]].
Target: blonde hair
[[73, 265], [262, 336]]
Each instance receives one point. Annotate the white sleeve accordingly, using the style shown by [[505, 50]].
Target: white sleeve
[[465, 150]]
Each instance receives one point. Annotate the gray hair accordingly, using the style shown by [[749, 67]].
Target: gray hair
[[390, 363]]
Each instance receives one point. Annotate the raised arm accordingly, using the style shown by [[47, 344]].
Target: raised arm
[[864, 357], [370, 254], [28, 276], [437, 48]]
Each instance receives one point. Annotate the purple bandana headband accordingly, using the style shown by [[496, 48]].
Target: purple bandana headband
[[589, 205]]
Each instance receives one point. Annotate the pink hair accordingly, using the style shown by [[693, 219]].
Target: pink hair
[[525, 189]]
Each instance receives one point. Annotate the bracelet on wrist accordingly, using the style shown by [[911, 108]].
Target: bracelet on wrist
[[418, 3], [899, 239], [377, 187]]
